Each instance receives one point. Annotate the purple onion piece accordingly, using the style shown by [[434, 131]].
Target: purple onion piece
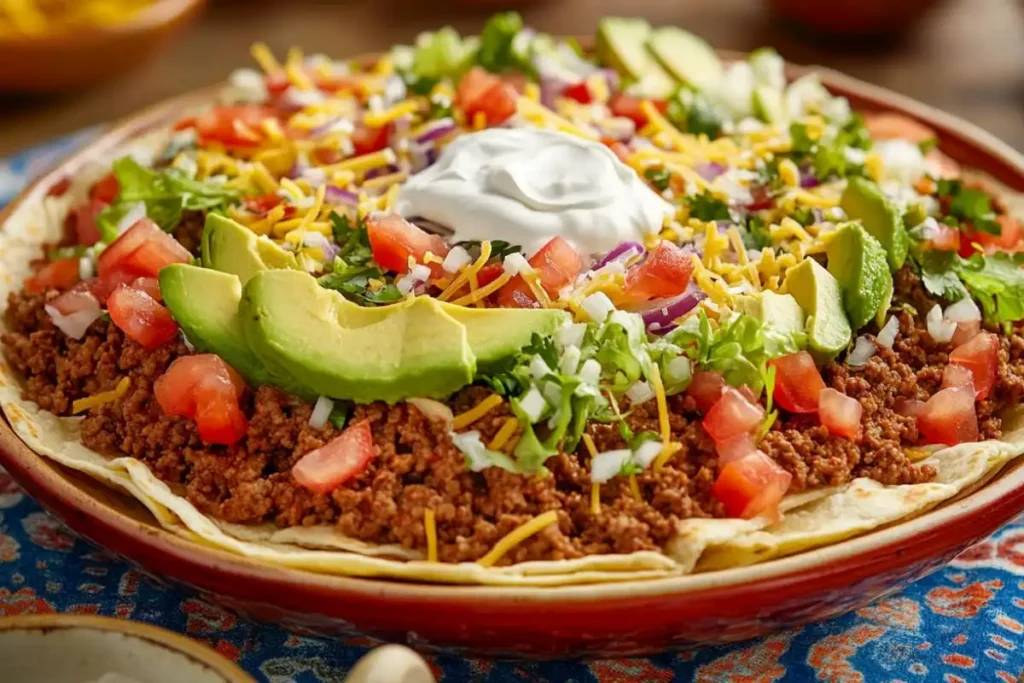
[[381, 171], [709, 171], [808, 180], [663, 319], [617, 252], [336, 195], [437, 129]]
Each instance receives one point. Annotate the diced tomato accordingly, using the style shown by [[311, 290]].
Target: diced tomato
[[892, 126], [618, 148], [731, 450], [628, 107], [908, 407], [732, 415], [557, 264], [579, 92], [102, 287], [149, 285], [664, 273], [207, 389], [277, 83], [705, 389], [60, 274], [752, 486], [59, 188], [366, 140], [965, 332], [944, 238], [840, 414], [948, 417], [334, 463], [105, 189], [480, 91], [981, 356], [957, 376], [83, 221], [489, 273], [760, 198], [262, 203], [798, 383], [142, 249], [233, 125], [140, 317], [74, 300], [1009, 238], [393, 240]]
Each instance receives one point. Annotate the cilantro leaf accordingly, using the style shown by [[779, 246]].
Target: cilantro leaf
[[659, 177], [353, 282], [997, 282], [756, 234], [939, 274], [339, 414], [354, 240], [970, 205], [499, 248], [708, 207]]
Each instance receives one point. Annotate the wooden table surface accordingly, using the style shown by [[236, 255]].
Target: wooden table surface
[[967, 57]]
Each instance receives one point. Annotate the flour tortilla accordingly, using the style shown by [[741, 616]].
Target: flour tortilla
[[810, 519]]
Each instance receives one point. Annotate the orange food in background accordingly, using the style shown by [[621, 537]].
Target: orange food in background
[[44, 17]]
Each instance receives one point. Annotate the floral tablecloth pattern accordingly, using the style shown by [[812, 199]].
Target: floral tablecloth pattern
[[963, 624]]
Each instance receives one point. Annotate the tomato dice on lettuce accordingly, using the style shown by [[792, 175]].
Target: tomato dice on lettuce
[[663, 274], [204, 388], [339, 460], [394, 240], [705, 389]]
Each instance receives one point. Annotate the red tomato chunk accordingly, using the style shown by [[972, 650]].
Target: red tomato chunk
[[948, 417], [840, 414], [752, 486], [205, 388], [980, 355], [339, 460], [798, 383]]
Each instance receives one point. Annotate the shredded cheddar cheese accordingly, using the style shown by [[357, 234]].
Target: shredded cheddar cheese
[[514, 538], [463, 420], [508, 428], [82, 404], [595, 498], [430, 529], [485, 291], [463, 277], [634, 487]]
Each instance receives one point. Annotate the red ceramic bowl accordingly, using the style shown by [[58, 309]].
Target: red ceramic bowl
[[608, 620]]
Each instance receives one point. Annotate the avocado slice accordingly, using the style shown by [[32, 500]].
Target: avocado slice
[[622, 45], [864, 201], [232, 248], [496, 333], [818, 293], [341, 350], [769, 104], [769, 68], [858, 262], [780, 313], [686, 57], [204, 303]]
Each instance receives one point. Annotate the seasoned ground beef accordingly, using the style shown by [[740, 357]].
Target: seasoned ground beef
[[418, 467], [189, 231]]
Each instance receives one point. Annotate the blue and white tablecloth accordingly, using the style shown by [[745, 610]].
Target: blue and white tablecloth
[[964, 624]]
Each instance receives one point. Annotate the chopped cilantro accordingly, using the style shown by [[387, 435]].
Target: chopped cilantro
[[499, 248], [803, 215], [756, 234], [353, 282], [997, 282], [354, 240], [659, 177], [970, 205], [939, 274], [708, 207], [339, 414]]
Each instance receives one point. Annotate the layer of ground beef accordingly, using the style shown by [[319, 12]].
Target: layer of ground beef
[[418, 467]]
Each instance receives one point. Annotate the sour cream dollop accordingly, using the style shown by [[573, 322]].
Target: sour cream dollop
[[526, 185]]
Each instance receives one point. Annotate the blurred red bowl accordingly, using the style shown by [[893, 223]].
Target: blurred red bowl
[[854, 17]]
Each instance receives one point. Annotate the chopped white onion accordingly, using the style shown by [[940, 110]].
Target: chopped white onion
[[590, 373], [246, 86], [862, 352], [570, 360], [640, 392], [420, 272], [516, 264], [321, 412], [85, 268], [887, 335], [598, 306], [406, 283], [678, 370], [538, 368], [963, 311], [571, 335], [456, 259], [606, 465], [473, 448], [939, 329], [434, 410], [135, 213], [646, 453], [301, 98], [75, 324], [533, 404]]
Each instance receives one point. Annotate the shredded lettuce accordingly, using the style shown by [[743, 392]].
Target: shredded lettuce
[[166, 193]]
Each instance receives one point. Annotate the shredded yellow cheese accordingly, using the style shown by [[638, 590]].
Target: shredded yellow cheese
[[383, 118], [595, 498], [485, 291], [532, 91], [366, 162], [517, 536], [588, 441], [82, 404], [634, 487], [385, 180], [544, 117], [666, 453], [463, 277], [463, 420], [504, 434], [479, 120], [265, 58], [430, 528], [661, 124]]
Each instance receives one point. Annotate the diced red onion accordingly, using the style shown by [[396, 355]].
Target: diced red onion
[[617, 252], [862, 352], [75, 324], [709, 171], [336, 195], [808, 180], [887, 335], [321, 412], [433, 410], [663, 319], [436, 129]]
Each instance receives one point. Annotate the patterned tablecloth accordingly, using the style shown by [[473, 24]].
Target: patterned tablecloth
[[962, 624]]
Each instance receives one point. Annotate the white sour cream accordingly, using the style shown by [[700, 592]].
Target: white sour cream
[[526, 185]]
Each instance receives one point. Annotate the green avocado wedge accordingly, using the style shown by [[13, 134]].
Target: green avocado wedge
[[688, 58], [622, 45], [338, 349], [496, 333], [233, 248], [204, 303], [819, 294], [864, 201], [858, 262]]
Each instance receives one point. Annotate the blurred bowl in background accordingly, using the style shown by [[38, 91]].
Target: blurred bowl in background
[[854, 17], [58, 61]]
